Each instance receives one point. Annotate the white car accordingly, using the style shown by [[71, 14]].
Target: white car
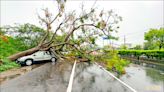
[[35, 57]]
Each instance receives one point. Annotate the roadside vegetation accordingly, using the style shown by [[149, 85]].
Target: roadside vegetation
[[7, 64], [157, 54], [14, 39], [8, 47]]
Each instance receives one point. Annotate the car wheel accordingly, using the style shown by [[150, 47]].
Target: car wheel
[[53, 59], [29, 62]]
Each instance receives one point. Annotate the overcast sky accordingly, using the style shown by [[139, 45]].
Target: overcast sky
[[138, 16]]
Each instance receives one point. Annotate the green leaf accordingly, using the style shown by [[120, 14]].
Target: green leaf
[[98, 24], [81, 20]]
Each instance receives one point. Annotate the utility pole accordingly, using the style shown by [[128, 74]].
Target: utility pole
[[103, 42], [124, 40]]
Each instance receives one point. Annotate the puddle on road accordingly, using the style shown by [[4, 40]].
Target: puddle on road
[[144, 79], [13, 73], [91, 78]]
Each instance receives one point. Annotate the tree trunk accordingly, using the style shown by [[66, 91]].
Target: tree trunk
[[160, 46], [23, 53]]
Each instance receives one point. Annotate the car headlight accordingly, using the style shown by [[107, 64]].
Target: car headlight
[[18, 59]]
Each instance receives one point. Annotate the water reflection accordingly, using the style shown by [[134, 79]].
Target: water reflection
[[91, 78], [144, 79], [155, 75]]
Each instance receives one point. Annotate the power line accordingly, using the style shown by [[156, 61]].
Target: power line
[[131, 34]]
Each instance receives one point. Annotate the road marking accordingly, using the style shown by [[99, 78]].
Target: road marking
[[117, 78], [69, 88]]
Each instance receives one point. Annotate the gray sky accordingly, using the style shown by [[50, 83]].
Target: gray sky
[[138, 16]]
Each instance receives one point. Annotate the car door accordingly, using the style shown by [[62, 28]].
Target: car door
[[39, 56], [47, 55]]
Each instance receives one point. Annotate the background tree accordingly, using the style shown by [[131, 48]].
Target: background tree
[[123, 47], [28, 34], [155, 37], [150, 46], [138, 47]]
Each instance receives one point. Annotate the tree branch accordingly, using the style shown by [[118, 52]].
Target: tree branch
[[55, 18], [51, 40]]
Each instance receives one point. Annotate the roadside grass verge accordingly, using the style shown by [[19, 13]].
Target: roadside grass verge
[[9, 46], [7, 64]]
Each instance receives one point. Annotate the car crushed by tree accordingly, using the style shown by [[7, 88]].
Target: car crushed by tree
[[73, 31]]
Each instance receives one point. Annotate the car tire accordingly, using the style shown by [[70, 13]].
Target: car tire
[[53, 59], [29, 62]]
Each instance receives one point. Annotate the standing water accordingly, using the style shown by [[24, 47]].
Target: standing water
[[144, 78]]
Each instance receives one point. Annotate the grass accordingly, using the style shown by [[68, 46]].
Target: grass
[[8, 47], [7, 64]]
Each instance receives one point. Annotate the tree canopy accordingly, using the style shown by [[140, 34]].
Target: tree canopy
[[154, 38], [137, 47], [72, 31], [29, 34]]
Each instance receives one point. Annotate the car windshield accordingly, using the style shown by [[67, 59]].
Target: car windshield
[[42, 53]]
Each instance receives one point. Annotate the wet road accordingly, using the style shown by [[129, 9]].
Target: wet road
[[91, 78], [144, 78], [46, 78], [55, 78], [15, 72]]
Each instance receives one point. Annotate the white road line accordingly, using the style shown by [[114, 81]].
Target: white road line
[[117, 78], [69, 88]]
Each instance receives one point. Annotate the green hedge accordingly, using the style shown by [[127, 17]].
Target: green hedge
[[148, 53]]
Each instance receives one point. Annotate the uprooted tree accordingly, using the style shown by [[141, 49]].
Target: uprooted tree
[[73, 32]]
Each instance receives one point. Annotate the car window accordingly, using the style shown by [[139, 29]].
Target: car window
[[48, 53], [39, 53]]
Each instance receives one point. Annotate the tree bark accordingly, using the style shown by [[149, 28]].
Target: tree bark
[[160, 46], [23, 53]]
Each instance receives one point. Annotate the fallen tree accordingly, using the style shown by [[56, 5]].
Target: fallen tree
[[73, 32]]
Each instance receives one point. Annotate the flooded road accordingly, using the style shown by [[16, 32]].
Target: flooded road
[[144, 78]]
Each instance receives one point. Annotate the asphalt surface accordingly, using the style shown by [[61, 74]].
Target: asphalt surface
[[55, 78], [91, 78], [46, 78]]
